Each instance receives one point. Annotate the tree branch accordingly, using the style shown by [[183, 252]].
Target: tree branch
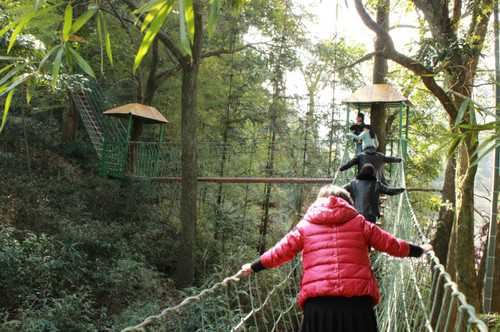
[[223, 51], [426, 74], [457, 13], [437, 15], [477, 32], [401, 26], [364, 58], [167, 72], [435, 190]]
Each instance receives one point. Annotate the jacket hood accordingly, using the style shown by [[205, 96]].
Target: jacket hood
[[330, 210], [370, 150], [366, 177]]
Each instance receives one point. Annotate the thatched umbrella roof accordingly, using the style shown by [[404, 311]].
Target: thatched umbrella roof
[[147, 114], [376, 93]]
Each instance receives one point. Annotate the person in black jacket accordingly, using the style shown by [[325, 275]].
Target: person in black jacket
[[365, 191], [371, 156]]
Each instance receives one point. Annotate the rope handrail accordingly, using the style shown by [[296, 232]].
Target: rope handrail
[[264, 303], [439, 267], [148, 320]]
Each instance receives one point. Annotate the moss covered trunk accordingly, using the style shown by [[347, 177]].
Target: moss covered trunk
[[461, 256], [189, 192]]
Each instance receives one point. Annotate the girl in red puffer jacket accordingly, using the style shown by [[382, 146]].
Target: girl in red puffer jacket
[[338, 288]]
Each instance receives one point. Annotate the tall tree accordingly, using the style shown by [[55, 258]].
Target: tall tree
[[378, 112], [188, 57], [492, 275], [456, 60], [277, 103]]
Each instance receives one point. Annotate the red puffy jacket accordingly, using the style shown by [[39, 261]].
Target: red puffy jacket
[[334, 240]]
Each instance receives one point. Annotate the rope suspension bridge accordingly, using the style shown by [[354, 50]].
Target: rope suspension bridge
[[417, 294]]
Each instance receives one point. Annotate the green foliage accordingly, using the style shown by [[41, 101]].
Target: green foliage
[[69, 267], [152, 25], [6, 109], [88, 253], [72, 312]]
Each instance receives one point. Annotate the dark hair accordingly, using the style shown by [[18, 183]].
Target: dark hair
[[361, 115], [367, 172], [370, 129]]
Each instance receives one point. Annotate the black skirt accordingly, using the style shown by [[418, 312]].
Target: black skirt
[[339, 314]]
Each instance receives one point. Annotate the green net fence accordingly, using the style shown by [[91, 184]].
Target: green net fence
[[245, 157]]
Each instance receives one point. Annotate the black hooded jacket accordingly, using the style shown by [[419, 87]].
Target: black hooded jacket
[[371, 156], [365, 192]]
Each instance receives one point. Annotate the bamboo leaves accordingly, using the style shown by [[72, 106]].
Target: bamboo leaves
[[6, 109], [464, 106], [47, 56], [152, 10], [104, 38], [4, 69], [68, 21], [83, 19], [160, 16], [81, 62], [38, 4], [155, 12], [468, 129], [56, 66], [187, 27], [20, 26]]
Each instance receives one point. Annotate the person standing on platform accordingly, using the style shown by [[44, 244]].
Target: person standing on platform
[[356, 130]]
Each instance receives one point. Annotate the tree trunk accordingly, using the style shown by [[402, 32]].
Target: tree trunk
[[331, 162], [275, 104], [70, 122], [70, 116], [151, 84], [493, 242], [306, 157], [441, 241], [264, 224], [189, 192], [444, 225], [378, 114], [219, 231], [495, 304], [189, 125], [462, 246]]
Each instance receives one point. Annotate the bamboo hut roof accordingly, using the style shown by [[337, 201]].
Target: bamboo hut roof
[[147, 114], [376, 93]]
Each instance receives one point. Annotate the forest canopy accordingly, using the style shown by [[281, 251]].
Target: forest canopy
[[104, 221]]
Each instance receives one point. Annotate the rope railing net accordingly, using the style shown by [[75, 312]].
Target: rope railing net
[[91, 103], [418, 294], [163, 159]]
